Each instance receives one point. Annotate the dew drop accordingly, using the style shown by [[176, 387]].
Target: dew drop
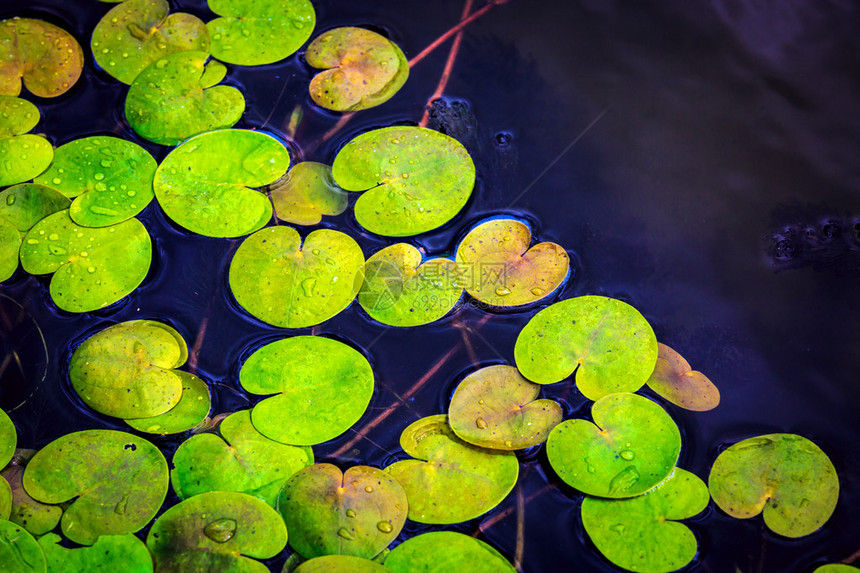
[[350, 513], [627, 455], [624, 480], [91, 269], [32, 241], [53, 236], [537, 291], [98, 210], [316, 251], [481, 424], [56, 180], [345, 533], [503, 291], [369, 489], [308, 286], [100, 187], [617, 528], [160, 64], [10, 199], [99, 176], [221, 530], [131, 193], [384, 527]]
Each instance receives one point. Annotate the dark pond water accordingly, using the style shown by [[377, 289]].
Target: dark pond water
[[698, 160]]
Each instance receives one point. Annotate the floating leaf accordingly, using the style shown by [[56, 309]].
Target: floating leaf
[[5, 500], [358, 512], [306, 193], [192, 408], [26, 204], [213, 531], [496, 408], [458, 481], [400, 290], [323, 387], [203, 184], [362, 69], [115, 553], [341, 564], [285, 283], [10, 245], [19, 551], [46, 58], [24, 155], [177, 97], [257, 32], [37, 518], [244, 461], [136, 33], [415, 179], [607, 342], [445, 551], [674, 380], [784, 476], [111, 179], [632, 446], [8, 439], [118, 482], [836, 568]]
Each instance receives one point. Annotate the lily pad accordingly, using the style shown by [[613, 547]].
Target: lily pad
[[24, 155], [632, 446], [836, 568], [26, 204], [283, 282], [496, 408], [785, 477], [37, 518], [136, 33], [500, 269], [19, 551], [400, 290], [118, 482], [445, 551], [193, 407], [358, 512], [214, 531], [609, 345], [177, 97], [341, 564], [5, 500], [92, 267], [126, 370], [110, 178], [114, 553], [45, 57], [451, 481], [203, 185], [323, 387], [306, 193], [257, 32], [10, 245], [642, 534], [674, 380], [244, 461], [362, 69], [415, 179], [8, 439]]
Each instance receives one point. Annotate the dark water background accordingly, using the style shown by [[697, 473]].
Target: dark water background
[[717, 190]]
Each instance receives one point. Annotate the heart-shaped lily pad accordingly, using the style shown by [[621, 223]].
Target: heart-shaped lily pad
[[252, 33], [323, 387], [500, 269], [177, 97], [203, 185], [24, 155], [784, 476], [46, 58], [92, 267], [415, 179], [458, 481], [115, 553], [111, 179], [136, 33], [362, 69], [285, 283], [400, 290], [642, 534], [117, 480], [8, 439], [192, 408], [632, 446], [126, 370], [37, 518], [341, 564], [306, 193], [496, 408], [674, 380], [607, 342], [214, 531], [444, 551], [244, 461], [19, 551]]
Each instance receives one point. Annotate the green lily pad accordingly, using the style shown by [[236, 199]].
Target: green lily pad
[[37, 518], [283, 282], [257, 32], [400, 290], [177, 97], [244, 461], [214, 531], [785, 477], [358, 512], [92, 267], [203, 185], [110, 178], [193, 407], [115, 553], [46, 58], [306, 193], [26, 204], [451, 481], [415, 179], [323, 387], [341, 564], [496, 408], [8, 439], [10, 245], [642, 534], [836, 568], [362, 69], [609, 345], [444, 551], [632, 446], [126, 370], [500, 269], [674, 380], [5, 500], [118, 482], [136, 33], [24, 155], [19, 551]]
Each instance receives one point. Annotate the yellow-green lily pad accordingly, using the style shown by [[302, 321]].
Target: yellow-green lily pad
[[674, 380], [341, 564], [5, 499], [193, 407], [445, 551], [8, 439], [19, 551], [836, 568], [24, 155], [37, 518], [45, 57], [115, 553], [306, 193], [631, 447]]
